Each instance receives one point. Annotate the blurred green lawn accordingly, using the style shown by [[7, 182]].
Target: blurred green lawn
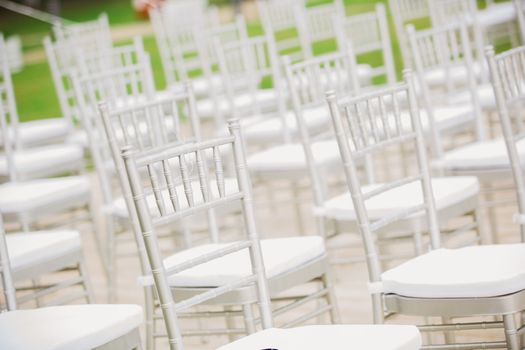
[[34, 89]]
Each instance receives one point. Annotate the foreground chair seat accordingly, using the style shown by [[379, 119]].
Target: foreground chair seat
[[71, 327], [43, 195], [449, 192], [38, 132], [469, 272], [333, 337], [44, 161]]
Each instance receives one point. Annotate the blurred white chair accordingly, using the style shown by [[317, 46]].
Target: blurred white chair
[[89, 35], [62, 327], [520, 16], [186, 48], [368, 33], [231, 273], [13, 47], [30, 133], [508, 77], [245, 66], [472, 281], [456, 196]]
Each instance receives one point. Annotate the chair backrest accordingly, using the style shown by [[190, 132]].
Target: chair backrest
[[371, 125], [307, 83], [89, 35], [169, 165], [119, 88], [519, 7], [8, 101], [405, 12], [318, 21], [507, 72], [284, 21], [243, 65], [6, 279], [368, 33], [187, 49], [447, 49]]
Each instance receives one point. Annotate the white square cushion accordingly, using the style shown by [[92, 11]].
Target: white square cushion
[[332, 337], [44, 159], [290, 157], [207, 109], [40, 131], [266, 129], [201, 85], [491, 154], [447, 191], [16, 197], [79, 327], [279, 254], [470, 272], [33, 248]]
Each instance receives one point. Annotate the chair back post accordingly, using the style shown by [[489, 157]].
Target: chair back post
[[5, 270], [350, 171], [423, 165], [499, 71], [6, 84], [388, 57], [241, 169], [435, 138], [520, 14], [8, 146], [151, 244], [318, 192]]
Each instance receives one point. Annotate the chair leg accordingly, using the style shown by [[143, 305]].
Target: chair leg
[[511, 332], [249, 319], [111, 262], [297, 207], [450, 337], [149, 315], [331, 298], [230, 322], [86, 281], [480, 225], [377, 306]]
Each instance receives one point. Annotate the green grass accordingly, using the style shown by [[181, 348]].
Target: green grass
[[34, 88]]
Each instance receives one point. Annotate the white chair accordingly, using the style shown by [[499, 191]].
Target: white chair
[[28, 133], [229, 280], [368, 32], [186, 47], [63, 327], [90, 35], [456, 196], [245, 65], [520, 16], [507, 76], [472, 281]]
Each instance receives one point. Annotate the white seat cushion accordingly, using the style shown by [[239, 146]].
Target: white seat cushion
[[16, 197], [201, 85], [291, 158], [490, 154], [447, 191], [332, 337], [79, 327], [47, 160], [486, 97], [207, 109], [264, 129], [41, 131], [497, 13], [33, 248], [280, 255], [120, 209], [470, 272], [436, 77], [446, 117]]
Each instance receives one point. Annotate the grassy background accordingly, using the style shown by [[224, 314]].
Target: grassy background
[[34, 89]]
